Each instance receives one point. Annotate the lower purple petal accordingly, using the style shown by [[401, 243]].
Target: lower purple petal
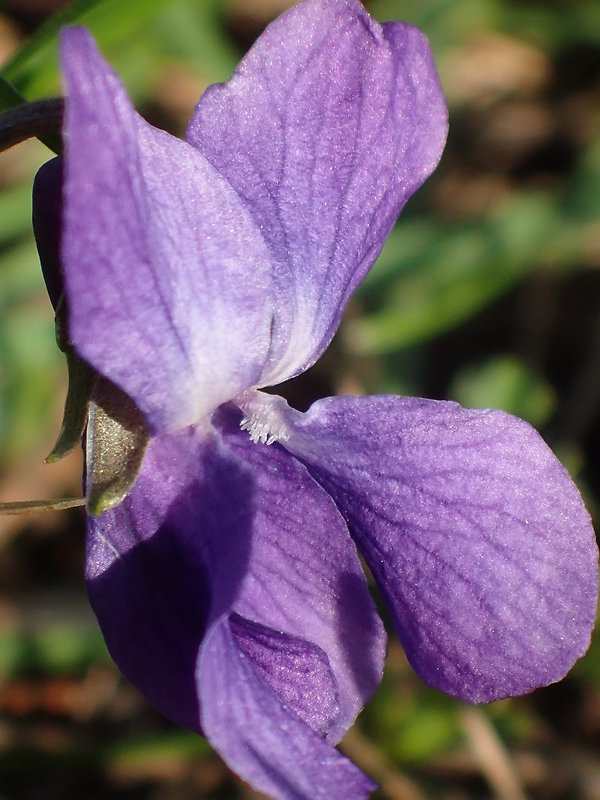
[[297, 670], [473, 530], [305, 578], [166, 561], [265, 743]]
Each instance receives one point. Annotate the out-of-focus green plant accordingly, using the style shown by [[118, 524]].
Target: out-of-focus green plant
[[505, 382]]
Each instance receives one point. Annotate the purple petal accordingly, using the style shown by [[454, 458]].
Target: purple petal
[[266, 744], [327, 127], [165, 570], [167, 276], [472, 528], [166, 561], [305, 577], [47, 216], [296, 670]]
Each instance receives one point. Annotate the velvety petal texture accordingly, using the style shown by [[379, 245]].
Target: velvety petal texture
[[273, 749], [326, 128], [167, 274], [473, 530], [228, 569], [169, 558], [294, 668], [305, 578]]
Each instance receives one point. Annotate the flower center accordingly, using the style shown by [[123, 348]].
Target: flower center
[[264, 431], [264, 417]]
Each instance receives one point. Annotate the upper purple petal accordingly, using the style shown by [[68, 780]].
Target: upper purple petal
[[167, 275], [474, 531], [273, 749], [326, 128], [305, 578]]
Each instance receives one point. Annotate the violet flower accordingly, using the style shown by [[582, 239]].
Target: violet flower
[[227, 582]]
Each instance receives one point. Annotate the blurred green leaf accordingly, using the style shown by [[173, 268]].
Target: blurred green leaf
[[30, 362], [44, 37], [445, 21], [64, 648], [30, 368], [15, 212], [427, 732], [449, 23], [512, 720], [554, 25], [194, 33], [33, 69], [581, 198], [175, 744], [20, 275], [9, 96], [505, 382], [412, 727], [432, 277]]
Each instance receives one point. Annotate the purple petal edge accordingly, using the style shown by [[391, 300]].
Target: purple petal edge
[[305, 577], [327, 127], [167, 277], [474, 531], [273, 749]]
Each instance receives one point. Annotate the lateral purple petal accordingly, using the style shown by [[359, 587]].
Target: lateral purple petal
[[474, 532], [269, 746], [305, 579], [167, 276], [326, 128], [166, 561]]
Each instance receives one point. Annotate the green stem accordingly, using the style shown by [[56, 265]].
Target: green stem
[[42, 119], [33, 506]]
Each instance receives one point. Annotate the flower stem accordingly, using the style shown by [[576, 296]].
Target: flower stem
[[32, 506], [22, 120]]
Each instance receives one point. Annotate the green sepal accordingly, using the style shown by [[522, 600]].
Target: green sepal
[[117, 437], [82, 379]]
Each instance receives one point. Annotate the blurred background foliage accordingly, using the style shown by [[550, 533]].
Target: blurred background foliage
[[487, 292]]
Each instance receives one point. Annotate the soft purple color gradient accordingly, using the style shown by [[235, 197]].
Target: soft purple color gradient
[[227, 586], [299, 165], [305, 577], [491, 587], [171, 275], [327, 127], [255, 733], [227, 583]]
